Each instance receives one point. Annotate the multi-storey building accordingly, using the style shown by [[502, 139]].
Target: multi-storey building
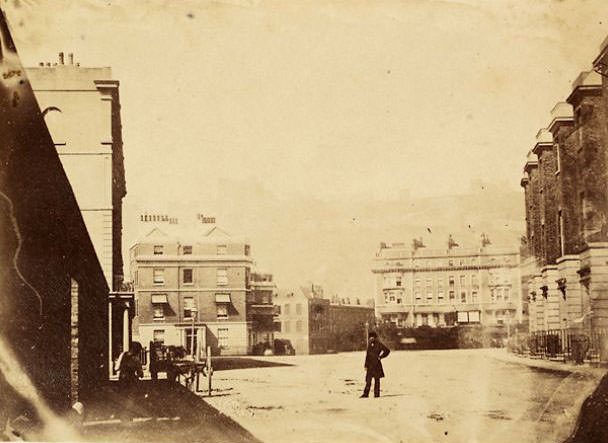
[[566, 197], [416, 287], [260, 308], [193, 291], [303, 319], [81, 108], [54, 310]]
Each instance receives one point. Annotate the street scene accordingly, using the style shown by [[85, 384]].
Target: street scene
[[324, 221], [452, 396]]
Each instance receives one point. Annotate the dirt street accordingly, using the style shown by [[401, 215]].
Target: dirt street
[[434, 396]]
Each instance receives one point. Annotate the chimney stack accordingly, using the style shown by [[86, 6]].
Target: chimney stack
[[71, 58], [61, 58]]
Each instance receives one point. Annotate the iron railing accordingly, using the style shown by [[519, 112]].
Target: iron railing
[[568, 345]]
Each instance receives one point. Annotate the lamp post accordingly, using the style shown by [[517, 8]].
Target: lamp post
[[193, 314]]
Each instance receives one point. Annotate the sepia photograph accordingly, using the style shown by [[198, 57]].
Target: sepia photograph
[[304, 221]]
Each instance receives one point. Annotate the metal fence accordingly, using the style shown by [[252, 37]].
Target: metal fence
[[576, 346]]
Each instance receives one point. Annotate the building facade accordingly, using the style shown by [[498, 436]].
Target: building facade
[[193, 291], [260, 309], [53, 315], [81, 108], [416, 287], [565, 176], [303, 319]]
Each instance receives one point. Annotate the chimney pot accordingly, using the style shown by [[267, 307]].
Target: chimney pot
[[61, 58], [41, 64], [48, 63], [71, 58]]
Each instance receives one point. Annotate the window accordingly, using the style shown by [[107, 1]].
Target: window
[[474, 296], [159, 276], [187, 276], [558, 164], [440, 296], [277, 326], [451, 281], [158, 336], [188, 305], [499, 294], [222, 337], [299, 326], [299, 309], [506, 294], [452, 295], [158, 249], [463, 281], [388, 281], [451, 262], [189, 339], [158, 311], [474, 281], [286, 309], [221, 249], [222, 277], [398, 281], [187, 250], [222, 310], [440, 284], [463, 296], [247, 250], [425, 319], [493, 295], [418, 297], [287, 326]]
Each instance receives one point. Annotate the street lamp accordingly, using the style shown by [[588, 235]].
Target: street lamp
[[193, 313]]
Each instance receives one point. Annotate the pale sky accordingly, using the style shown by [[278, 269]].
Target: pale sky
[[319, 100]]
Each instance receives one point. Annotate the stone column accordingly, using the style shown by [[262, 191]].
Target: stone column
[[125, 328], [553, 304], [110, 350]]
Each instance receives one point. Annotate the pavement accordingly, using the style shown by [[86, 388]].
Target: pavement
[[159, 412], [481, 395]]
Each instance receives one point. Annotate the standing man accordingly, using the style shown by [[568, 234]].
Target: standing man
[[376, 351]]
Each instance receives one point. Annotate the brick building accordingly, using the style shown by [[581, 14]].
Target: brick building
[[91, 150], [182, 280], [416, 287], [303, 318], [565, 176], [54, 311], [81, 108]]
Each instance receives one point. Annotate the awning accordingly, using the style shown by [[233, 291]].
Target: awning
[[222, 298], [159, 298]]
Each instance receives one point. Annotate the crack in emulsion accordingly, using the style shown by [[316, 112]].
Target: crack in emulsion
[[18, 248]]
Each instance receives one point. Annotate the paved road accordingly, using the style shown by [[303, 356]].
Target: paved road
[[434, 396]]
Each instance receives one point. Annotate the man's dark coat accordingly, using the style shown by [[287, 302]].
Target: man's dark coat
[[375, 351]]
